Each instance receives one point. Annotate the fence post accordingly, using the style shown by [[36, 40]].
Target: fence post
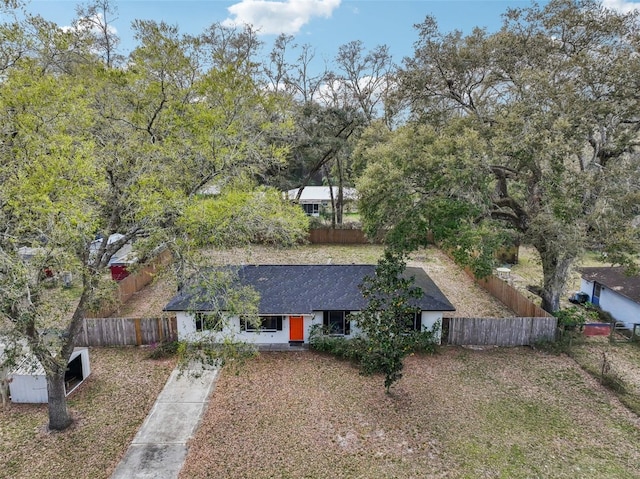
[[160, 329], [136, 323]]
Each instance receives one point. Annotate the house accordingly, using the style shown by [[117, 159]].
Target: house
[[314, 199], [293, 298], [121, 260], [613, 291]]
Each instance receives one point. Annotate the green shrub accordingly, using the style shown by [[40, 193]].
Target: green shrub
[[601, 315], [573, 317], [358, 349]]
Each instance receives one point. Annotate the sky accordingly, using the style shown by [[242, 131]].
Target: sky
[[323, 24]]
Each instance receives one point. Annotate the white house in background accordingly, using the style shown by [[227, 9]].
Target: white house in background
[[28, 382], [613, 291], [316, 198], [293, 298]]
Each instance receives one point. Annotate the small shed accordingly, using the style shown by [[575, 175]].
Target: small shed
[[29, 383]]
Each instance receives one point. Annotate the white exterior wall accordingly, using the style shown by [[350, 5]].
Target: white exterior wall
[[429, 321], [29, 385], [25, 388], [620, 307], [586, 287], [187, 328]]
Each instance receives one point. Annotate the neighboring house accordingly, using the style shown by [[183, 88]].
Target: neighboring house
[[293, 298], [315, 199], [121, 260], [613, 291]]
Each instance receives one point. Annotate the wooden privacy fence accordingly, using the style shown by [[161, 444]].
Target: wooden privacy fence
[[126, 331], [501, 331], [511, 297], [337, 236], [134, 283]]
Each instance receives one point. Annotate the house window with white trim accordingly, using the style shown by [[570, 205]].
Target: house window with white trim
[[311, 209], [267, 324], [209, 321], [337, 322]]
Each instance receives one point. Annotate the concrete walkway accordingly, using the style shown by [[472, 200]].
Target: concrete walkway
[[159, 448]]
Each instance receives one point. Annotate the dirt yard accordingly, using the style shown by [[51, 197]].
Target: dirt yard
[[512, 413], [468, 299], [108, 409]]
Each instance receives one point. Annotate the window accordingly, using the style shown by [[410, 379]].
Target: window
[[597, 289], [311, 209], [209, 321], [267, 323], [337, 322], [413, 321]]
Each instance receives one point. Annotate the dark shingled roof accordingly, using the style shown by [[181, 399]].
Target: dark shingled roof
[[302, 289], [615, 279]]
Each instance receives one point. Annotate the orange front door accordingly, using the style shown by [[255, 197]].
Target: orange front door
[[296, 328]]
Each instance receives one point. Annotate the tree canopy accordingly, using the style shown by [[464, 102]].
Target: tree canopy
[[533, 129], [89, 149]]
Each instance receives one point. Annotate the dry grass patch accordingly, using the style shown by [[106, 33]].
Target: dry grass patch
[[108, 410], [615, 364], [496, 413]]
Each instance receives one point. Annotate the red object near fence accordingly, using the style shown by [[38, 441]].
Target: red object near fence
[[118, 271], [597, 329]]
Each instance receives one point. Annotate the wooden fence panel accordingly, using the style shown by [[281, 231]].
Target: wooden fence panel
[[518, 331], [337, 236], [510, 296], [134, 283], [126, 331]]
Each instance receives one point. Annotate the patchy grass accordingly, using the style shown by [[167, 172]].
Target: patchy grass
[[616, 365], [108, 408], [623, 358], [511, 413]]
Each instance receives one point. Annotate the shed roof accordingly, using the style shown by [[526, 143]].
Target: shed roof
[[302, 289], [615, 279]]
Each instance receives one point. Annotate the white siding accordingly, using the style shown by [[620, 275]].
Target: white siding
[[28, 389], [586, 287], [187, 331], [29, 383], [620, 307], [187, 328]]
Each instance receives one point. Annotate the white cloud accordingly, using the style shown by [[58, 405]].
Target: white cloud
[[621, 5], [90, 24], [274, 17]]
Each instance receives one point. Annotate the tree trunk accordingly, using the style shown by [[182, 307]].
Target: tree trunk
[[59, 417], [55, 364], [333, 200], [555, 274], [340, 200]]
